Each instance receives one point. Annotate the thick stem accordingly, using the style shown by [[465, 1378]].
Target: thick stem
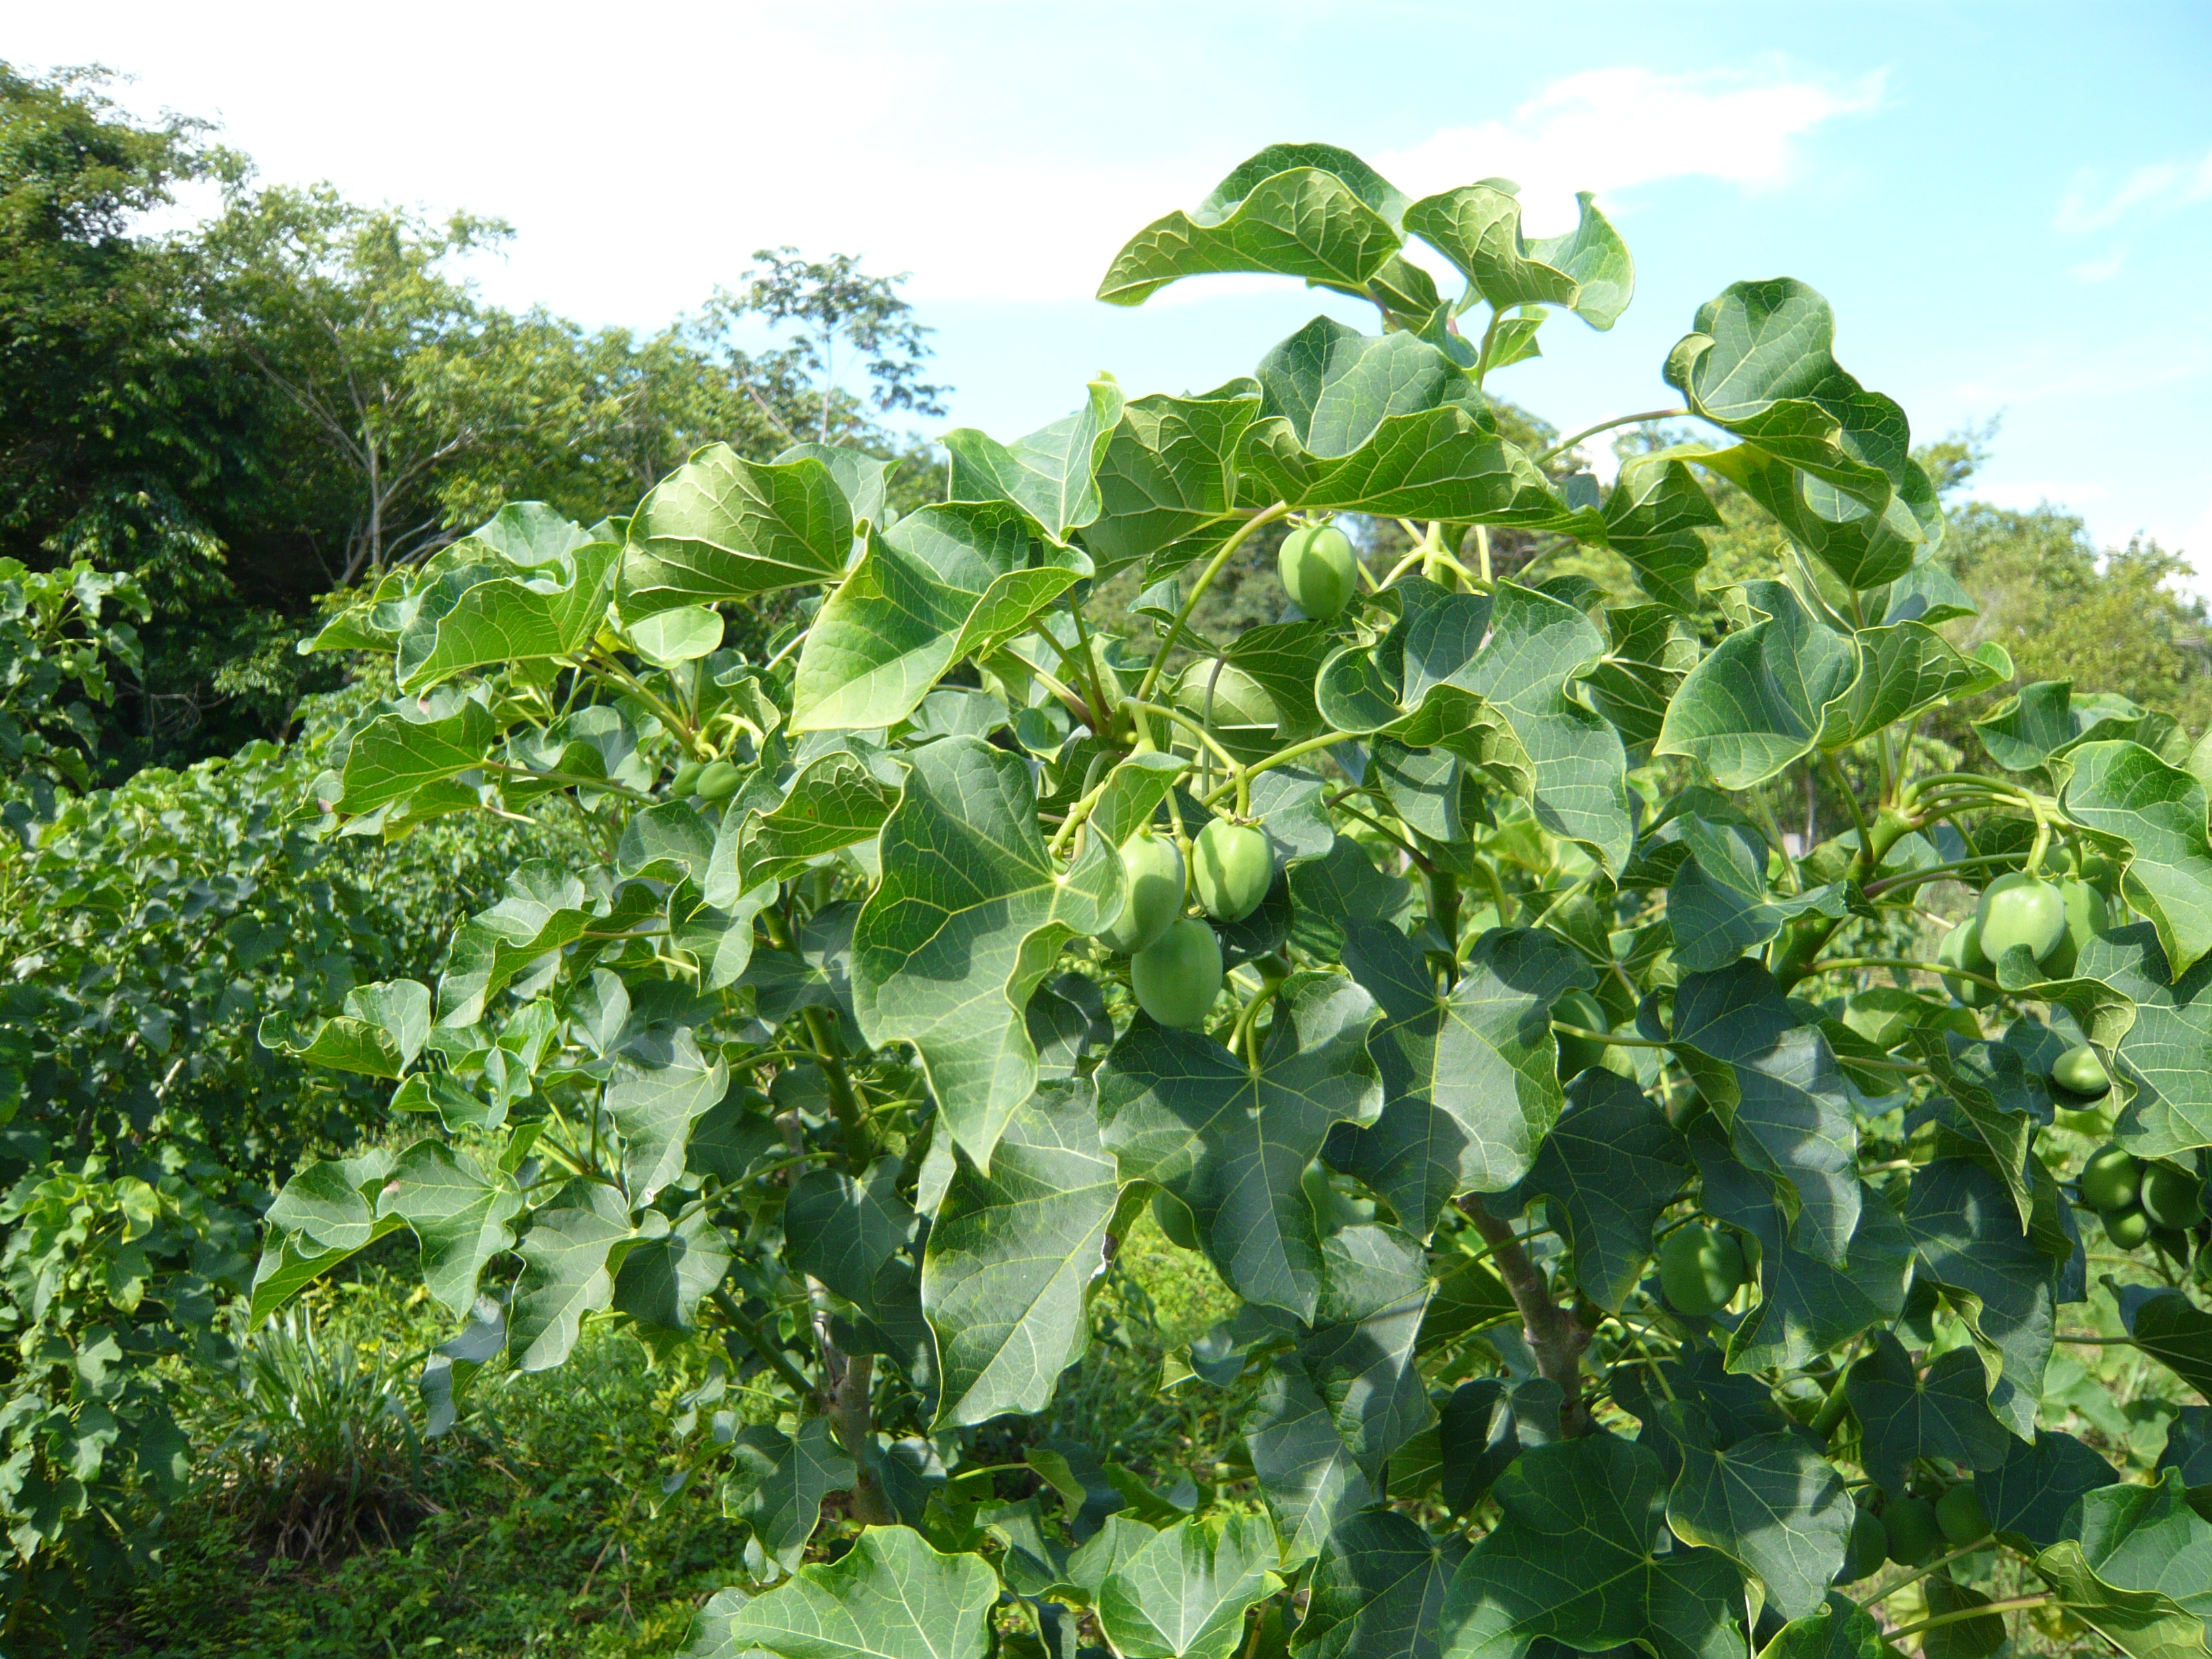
[[1556, 1337], [848, 1415], [851, 1120]]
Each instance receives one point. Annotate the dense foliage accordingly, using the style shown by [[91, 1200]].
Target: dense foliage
[[1640, 1222]]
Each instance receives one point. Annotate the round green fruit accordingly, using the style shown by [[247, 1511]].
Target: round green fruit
[[1232, 867], [2169, 1196], [1915, 1537], [1177, 976], [2127, 1228], [1230, 704], [1961, 948], [2086, 916], [1958, 1514], [2078, 1071], [1699, 1269], [1176, 1221], [1318, 570], [2020, 909], [686, 779], [718, 780], [1868, 1548], [1577, 1054], [2109, 1179], [1153, 866]]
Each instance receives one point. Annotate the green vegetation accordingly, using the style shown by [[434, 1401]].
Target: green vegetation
[[1197, 1032]]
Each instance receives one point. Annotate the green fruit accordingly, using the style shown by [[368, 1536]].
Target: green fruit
[[1176, 1219], [686, 779], [1958, 1513], [1153, 864], [718, 780], [2078, 1070], [1577, 1054], [2169, 1196], [1232, 705], [1177, 976], [1915, 1538], [1232, 867], [2021, 910], [1318, 570], [1699, 1269], [1961, 948], [1868, 1548], [2127, 1228], [2086, 916], [2109, 1179]]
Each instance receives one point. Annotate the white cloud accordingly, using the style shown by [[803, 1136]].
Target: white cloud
[[2099, 271], [2089, 202]]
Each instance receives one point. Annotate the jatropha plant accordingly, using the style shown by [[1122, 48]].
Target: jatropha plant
[[1646, 1226]]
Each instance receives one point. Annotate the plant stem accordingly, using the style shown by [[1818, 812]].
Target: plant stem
[[1245, 531], [1916, 1576], [1198, 730], [1835, 964], [1246, 774], [778, 1361], [1556, 1338], [1566, 443], [1962, 1615], [852, 1121], [1607, 1036], [1933, 872]]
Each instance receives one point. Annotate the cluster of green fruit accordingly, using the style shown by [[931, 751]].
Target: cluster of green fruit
[[1174, 960], [711, 780], [1913, 1531], [2135, 1199], [2052, 918]]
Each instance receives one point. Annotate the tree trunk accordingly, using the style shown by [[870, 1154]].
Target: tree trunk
[[1556, 1337]]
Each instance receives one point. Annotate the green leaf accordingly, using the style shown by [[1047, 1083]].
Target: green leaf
[[1300, 222], [2173, 1330], [1770, 1503], [944, 583], [1759, 700], [1652, 518], [1168, 480], [1233, 1142], [1052, 475], [2165, 1051], [668, 842], [654, 1105], [397, 753], [663, 1279], [1477, 228], [862, 478], [1470, 1075], [326, 1215], [833, 802], [1903, 1414], [1343, 884], [1611, 1164], [2122, 789], [777, 1483], [844, 1232], [550, 613], [567, 1264], [1998, 1095], [1574, 1559], [544, 911], [721, 527], [1972, 1246], [966, 923], [1012, 1255], [1183, 1594], [1840, 1629], [2047, 720], [459, 1215], [891, 1596], [1378, 1591], [1904, 669], [2140, 1574], [1334, 387], [2029, 1496], [383, 1028]]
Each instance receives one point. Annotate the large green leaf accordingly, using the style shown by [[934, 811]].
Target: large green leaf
[[721, 527], [522, 617], [654, 1105], [1183, 1593], [1973, 1245], [1575, 1560], [1905, 1414], [1168, 480], [2140, 1573], [670, 1270], [777, 1483], [1335, 386], [2029, 1496], [1477, 228], [1769, 1503], [459, 1215], [1758, 701], [835, 801], [544, 911], [1232, 1142], [2125, 790], [2048, 720], [382, 1029], [399, 752], [1652, 518], [2166, 1053], [1299, 221], [1470, 1074], [965, 924], [1378, 1591], [1012, 1254], [1052, 475], [326, 1215], [568, 1259], [1998, 1095], [1905, 668], [2173, 1330], [1611, 1164], [891, 1596], [943, 583]]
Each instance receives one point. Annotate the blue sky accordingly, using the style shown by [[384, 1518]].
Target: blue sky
[[2010, 206]]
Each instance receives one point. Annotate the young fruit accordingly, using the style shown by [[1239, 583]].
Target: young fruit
[[2109, 1179], [1915, 1538], [1318, 570], [1577, 1054], [2169, 1196], [718, 780], [2078, 1071], [1868, 1548], [686, 779], [1153, 864], [2019, 910], [1230, 704], [1961, 948], [1232, 867], [1958, 1513], [2127, 1228], [1699, 1269], [2086, 916], [1177, 976]]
